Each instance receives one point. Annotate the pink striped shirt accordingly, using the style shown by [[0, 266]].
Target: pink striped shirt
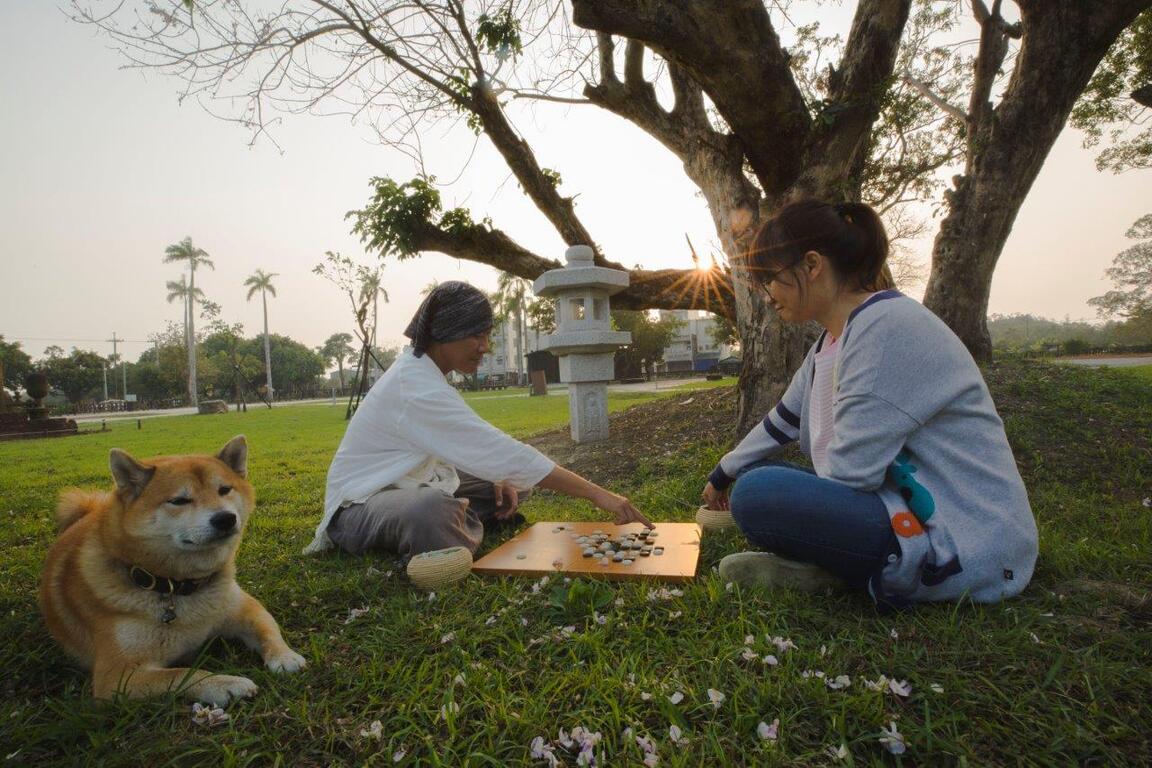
[[820, 405]]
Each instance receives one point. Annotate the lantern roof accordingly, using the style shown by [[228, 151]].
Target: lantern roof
[[580, 274]]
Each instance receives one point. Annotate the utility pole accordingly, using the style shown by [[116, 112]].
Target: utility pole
[[114, 340], [105, 362]]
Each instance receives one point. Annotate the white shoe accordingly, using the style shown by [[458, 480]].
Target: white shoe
[[770, 571]]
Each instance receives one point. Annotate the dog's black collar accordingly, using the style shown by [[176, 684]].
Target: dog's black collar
[[164, 585]]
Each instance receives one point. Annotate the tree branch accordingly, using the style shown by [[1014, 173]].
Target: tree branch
[[924, 90], [989, 58], [520, 158], [649, 289], [731, 50], [839, 150]]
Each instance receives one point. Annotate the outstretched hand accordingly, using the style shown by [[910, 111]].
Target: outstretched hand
[[622, 510]]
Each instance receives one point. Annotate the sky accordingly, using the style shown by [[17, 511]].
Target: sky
[[101, 169]]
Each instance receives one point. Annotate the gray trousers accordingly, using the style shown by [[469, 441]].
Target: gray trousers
[[408, 521]]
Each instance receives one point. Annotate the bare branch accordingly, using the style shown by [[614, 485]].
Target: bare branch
[[924, 90], [734, 54]]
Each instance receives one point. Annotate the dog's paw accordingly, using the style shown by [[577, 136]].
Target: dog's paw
[[286, 661], [218, 690]]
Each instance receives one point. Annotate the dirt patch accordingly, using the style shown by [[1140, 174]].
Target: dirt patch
[[643, 431]]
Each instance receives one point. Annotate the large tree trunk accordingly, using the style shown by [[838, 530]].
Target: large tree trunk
[[731, 52], [1062, 44]]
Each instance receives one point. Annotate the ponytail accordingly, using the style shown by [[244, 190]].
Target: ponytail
[[850, 235]]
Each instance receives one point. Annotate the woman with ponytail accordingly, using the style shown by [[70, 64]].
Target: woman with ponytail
[[914, 493]]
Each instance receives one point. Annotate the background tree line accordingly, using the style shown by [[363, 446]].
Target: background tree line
[[160, 373]]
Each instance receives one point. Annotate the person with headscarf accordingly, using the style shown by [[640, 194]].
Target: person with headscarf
[[418, 470]]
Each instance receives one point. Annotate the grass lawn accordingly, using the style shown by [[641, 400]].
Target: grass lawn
[[472, 674]]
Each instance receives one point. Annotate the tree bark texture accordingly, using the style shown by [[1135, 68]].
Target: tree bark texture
[[1062, 44]]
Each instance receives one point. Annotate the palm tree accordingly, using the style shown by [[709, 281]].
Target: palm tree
[[371, 289], [262, 281], [186, 251], [188, 298], [512, 297]]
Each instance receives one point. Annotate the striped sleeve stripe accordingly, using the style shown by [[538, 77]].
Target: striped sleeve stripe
[[719, 478], [787, 415], [775, 433]]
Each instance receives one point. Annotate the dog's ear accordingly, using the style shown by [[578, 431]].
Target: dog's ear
[[235, 455], [131, 476]]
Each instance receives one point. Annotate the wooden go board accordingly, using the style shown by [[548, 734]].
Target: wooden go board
[[545, 548]]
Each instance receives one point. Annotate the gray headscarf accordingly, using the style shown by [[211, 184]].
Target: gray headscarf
[[453, 310]]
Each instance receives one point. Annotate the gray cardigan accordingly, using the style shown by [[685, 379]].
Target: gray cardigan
[[913, 421]]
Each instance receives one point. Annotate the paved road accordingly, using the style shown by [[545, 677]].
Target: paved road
[[1115, 362], [553, 389]]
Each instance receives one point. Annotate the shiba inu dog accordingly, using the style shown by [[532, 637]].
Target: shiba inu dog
[[143, 576]]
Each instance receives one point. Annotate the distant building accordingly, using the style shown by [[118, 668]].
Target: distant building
[[692, 347], [505, 357]]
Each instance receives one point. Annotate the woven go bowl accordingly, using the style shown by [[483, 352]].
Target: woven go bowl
[[430, 570]]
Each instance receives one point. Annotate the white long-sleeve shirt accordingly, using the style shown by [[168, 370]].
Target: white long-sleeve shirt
[[412, 429]]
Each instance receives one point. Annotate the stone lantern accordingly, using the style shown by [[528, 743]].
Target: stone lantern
[[584, 340]]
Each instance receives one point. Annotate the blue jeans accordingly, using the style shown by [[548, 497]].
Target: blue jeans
[[790, 511]]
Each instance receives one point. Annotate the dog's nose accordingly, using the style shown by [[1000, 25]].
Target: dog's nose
[[223, 521]]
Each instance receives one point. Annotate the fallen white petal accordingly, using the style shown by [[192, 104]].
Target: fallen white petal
[[892, 740], [204, 714], [900, 688], [540, 748], [676, 698], [374, 731], [841, 681], [355, 613], [768, 732], [838, 753], [716, 697]]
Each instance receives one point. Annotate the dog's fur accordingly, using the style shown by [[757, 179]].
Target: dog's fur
[[113, 626]]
